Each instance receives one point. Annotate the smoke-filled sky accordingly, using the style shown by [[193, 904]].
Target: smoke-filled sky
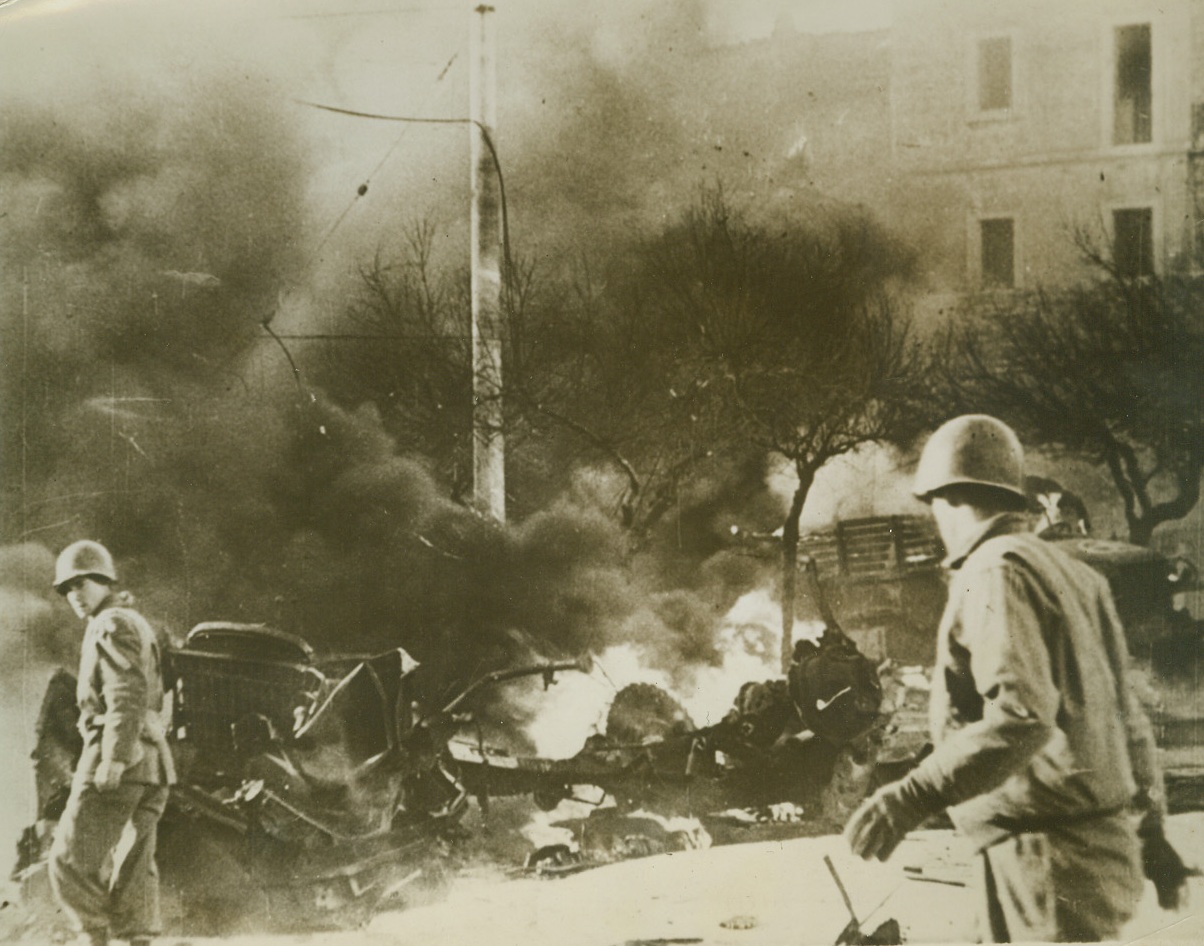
[[165, 191]]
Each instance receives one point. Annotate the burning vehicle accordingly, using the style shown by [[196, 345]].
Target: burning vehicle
[[804, 748], [308, 787], [322, 788], [789, 741]]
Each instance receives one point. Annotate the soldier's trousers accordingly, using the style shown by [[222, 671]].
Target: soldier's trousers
[[122, 897], [1078, 883]]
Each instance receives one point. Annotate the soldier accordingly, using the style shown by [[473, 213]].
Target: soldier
[[1040, 749], [1059, 513], [125, 769]]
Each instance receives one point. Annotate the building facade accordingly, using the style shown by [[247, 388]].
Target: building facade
[[1026, 133]]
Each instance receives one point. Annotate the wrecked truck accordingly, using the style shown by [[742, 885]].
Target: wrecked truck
[[807, 743], [309, 788]]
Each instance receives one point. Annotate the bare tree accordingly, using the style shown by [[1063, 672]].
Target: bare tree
[[403, 344], [791, 341], [675, 361], [594, 378], [1109, 371]]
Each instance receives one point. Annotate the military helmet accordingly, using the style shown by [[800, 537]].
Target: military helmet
[[83, 558], [973, 449]]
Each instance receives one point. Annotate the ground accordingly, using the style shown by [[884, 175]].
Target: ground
[[782, 891], [768, 893]]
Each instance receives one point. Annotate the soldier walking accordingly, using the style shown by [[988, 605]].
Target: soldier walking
[[1043, 757], [123, 775]]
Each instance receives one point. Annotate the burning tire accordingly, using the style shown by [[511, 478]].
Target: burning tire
[[642, 712]]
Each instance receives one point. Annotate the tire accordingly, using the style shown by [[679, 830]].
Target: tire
[[644, 711]]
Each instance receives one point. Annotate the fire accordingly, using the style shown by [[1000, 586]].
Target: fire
[[747, 640]]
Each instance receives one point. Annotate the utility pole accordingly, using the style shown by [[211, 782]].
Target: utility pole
[[488, 444]]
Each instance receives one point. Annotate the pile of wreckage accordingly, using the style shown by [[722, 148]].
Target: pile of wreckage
[[320, 789], [317, 790]]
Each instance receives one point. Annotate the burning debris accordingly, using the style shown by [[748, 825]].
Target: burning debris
[[802, 746], [325, 787]]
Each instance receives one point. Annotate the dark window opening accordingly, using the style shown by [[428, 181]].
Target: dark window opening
[[1133, 97], [1133, 246], [998, 253], [995, 73]]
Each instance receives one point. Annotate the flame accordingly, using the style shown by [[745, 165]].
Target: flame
[[576, 707]]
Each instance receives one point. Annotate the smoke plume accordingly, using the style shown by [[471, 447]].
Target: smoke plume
[[169, 210], [155, 228]]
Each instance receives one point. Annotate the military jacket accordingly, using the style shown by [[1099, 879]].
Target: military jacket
[[121, 699], [1032, 714]]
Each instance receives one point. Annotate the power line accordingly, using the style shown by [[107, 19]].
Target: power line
[[287, 354], [359, 192], [363, 188], [422, 120], [418, 120]]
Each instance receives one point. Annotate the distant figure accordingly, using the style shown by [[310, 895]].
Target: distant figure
[[1041, 751], [122, 778], [1060, 514]]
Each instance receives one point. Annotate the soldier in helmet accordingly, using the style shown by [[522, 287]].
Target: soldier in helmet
[[1042, 757], [1059, 513], [122, 778]]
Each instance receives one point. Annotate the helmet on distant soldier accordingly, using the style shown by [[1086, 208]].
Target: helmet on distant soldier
[[975, 449], [84, 558]]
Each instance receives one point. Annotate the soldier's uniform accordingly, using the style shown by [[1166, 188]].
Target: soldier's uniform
[[1040, 746], [121, 701]]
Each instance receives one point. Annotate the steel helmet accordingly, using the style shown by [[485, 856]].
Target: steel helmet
[[972, 449], [84, 557]]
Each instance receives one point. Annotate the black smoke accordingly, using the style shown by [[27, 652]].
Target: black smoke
[[156, 230]]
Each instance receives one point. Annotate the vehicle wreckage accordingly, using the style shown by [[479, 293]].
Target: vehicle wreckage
[[306, 785], [780, 744], [315, 790]]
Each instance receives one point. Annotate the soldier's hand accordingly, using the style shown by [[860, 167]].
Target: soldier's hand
[[882, 821], [1162, 864], [108, 775]]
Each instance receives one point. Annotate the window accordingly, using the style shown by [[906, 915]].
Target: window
[[1133, 241], [1132, 110], [998, 253], [995, 74]]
